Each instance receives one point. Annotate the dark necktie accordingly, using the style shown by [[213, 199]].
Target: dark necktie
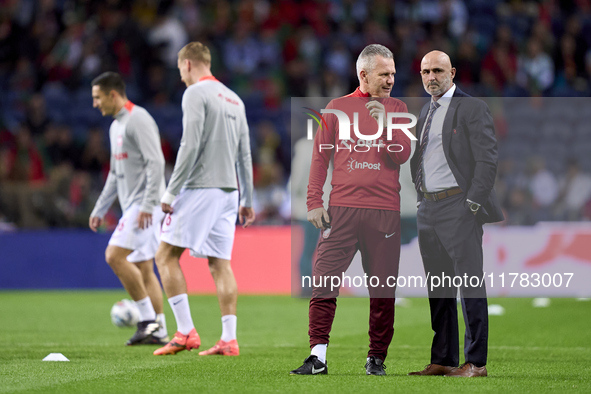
[[424, 141]]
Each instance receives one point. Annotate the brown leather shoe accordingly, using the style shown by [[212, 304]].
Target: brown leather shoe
[[467, 370], [433, 370]]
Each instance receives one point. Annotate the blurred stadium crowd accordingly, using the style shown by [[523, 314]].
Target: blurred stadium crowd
[[53, 144]]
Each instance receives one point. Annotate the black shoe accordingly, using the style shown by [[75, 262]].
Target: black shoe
[[155, 340], [312, 366], [144, 334], [374, 366]]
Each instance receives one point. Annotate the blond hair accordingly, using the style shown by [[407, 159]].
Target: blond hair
[[196, 52]]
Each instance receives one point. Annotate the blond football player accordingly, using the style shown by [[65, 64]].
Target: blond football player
[[202, 199]]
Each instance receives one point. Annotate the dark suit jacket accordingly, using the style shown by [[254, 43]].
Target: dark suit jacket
[[470, 147]]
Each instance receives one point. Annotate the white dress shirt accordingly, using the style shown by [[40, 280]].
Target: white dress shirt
[[437, 175]]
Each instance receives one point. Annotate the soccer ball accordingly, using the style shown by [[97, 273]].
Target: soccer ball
[[125, 314]]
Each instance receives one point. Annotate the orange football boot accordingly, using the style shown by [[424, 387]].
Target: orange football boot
[[229, 348], [180, 342]]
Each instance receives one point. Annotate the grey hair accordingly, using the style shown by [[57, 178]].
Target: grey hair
[[367, 58]]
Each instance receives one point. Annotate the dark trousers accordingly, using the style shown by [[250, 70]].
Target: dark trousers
[[450, 240], [376, 234]]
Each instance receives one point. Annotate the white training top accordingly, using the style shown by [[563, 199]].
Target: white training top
[[215, 146], [136, 175]]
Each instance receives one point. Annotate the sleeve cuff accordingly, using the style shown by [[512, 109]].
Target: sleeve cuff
[[245, 202], [315, 206], [167, 198], [147, 209]]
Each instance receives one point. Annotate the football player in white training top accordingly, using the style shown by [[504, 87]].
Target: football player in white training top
[[136, 177], [201, 201]]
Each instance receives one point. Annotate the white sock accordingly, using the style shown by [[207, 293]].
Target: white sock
[[162, 332], [320, 351], [146, 309], [228, 327], [182, 313]]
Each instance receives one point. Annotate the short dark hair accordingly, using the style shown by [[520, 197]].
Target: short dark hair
[[108, 81]]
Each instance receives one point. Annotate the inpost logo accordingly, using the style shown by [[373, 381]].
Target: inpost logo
[[353, 164]]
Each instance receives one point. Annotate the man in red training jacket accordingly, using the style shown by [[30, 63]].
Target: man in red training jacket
[[364, 207]]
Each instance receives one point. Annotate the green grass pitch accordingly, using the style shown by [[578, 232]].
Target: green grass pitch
[[531, 349]]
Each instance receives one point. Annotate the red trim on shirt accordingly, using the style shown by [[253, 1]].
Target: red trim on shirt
[[357, 93], [129, 105], [208, 78]]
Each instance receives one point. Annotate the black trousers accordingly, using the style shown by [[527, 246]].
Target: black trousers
[[450, 240]]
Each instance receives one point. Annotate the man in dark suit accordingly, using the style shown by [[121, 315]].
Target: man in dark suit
[[454, 169]]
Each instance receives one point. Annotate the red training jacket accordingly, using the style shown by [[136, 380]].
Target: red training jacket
[[368, 177]]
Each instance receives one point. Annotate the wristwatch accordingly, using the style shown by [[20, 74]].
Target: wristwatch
[[474, 206]]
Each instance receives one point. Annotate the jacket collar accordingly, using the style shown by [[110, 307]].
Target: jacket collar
[[358, 93]]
